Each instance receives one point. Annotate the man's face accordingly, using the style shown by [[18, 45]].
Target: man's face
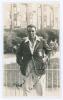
[[31, 32]]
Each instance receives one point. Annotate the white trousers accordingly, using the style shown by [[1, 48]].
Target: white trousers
[[34, 85], [39, 87]]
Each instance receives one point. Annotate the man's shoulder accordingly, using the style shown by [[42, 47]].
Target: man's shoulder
[[41, 39], [23, 40]]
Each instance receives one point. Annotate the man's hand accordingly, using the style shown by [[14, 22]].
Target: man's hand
[[45, 59]]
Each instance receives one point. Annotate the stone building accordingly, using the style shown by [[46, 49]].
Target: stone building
[[21, 14]]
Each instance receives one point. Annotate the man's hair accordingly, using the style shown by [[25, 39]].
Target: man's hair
[[32, 26]]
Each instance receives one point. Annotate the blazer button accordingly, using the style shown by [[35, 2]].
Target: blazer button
[[40, 54], [22, 57]]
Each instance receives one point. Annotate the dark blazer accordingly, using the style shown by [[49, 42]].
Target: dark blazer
[[24, 55]]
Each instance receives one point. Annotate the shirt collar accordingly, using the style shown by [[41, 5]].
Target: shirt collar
[[27, 39]]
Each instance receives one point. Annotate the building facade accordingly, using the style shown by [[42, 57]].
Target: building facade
[[41, 15]]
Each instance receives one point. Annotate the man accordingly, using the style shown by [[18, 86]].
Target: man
[[32, 58]]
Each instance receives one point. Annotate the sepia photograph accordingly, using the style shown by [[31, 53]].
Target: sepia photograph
[[31, 49]]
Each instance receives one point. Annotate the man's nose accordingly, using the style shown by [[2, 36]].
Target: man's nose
[[31, 32]]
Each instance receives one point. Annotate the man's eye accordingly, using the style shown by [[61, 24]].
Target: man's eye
[[30, 31]]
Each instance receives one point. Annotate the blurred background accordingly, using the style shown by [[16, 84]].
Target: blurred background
[[16, 18]]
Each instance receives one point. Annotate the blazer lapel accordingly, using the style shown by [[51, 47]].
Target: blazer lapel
[[36, 46], [27, 46]]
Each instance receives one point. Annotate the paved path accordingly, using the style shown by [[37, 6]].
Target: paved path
[[9, 58], [8, 91]]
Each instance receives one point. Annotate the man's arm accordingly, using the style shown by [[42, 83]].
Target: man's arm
[[46, 47], [19, 54]]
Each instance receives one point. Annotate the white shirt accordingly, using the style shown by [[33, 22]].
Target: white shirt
[[32, 46]]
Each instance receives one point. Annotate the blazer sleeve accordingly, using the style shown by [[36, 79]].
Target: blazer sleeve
[[46, 47], [19, 54]]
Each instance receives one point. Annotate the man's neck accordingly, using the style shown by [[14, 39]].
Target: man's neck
[[32, 39]]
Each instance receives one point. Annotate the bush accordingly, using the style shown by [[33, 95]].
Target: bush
[[8, 36], [49, 35], [12, 38]]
